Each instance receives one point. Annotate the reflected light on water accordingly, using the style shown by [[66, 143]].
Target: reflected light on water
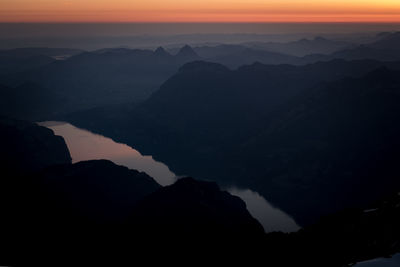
[[271, 218], [85, 145]]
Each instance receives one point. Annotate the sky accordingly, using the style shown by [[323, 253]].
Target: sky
[[200, 11]]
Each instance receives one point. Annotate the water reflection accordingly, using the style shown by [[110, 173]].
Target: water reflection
[[84, 145], [271, 218]]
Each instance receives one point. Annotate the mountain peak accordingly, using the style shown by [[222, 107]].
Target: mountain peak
[[187, 51], [160, 51]]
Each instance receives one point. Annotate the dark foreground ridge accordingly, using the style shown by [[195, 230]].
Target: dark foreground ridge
[[51, 205], [58, 213], [195, 208]]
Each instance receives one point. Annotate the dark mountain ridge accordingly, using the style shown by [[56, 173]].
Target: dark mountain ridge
[[208, 115], [106, 77], [324, 141], [302, 47], [48, 204]]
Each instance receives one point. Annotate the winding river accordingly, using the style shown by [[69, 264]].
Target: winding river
[[85, 145]]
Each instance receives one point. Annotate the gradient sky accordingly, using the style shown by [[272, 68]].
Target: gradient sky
[[199, 10]]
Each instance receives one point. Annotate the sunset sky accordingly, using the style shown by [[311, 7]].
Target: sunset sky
[[200, 11]]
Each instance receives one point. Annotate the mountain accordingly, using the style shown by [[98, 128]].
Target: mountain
[[302, 47], [48, 204], [161, 52], [356, 53], [44, 51], [302, 52], [385, 48], [10, 63], [104, 77], [250, 56], [27, 147], [215, 123], [67, 209], [389, 41], [24, 59], [215, 51], [234, 56], [187, 53], [342, 239], [339, 137], [98, 191], [114, 76], [195, 209], [30, 101]]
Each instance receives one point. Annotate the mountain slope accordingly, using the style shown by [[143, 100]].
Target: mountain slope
[[104, 77], [337, 144], [302, 47], [30, 101], [27, 147], [214, 123], [196, 208], [385, 48]]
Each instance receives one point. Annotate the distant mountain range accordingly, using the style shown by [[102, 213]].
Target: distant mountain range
[[77, 80], [304, 51], [207, 113], [105, 77], [22, 59], [302, 47], [317, 138]]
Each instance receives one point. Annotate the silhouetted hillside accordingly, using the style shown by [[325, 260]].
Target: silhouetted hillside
[[48, 204], [385, 48], [356, 53], [341, 239], [99, 191], [24, 59], [196, 208], [339, 137], [30, 101], [28, 147], [44, 51], [302, 47], [211, 122], [389, 41], [105, 77], [10, 63]]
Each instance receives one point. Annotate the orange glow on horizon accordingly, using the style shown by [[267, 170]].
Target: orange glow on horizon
[[199, 11]]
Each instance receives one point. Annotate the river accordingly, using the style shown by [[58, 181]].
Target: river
[[85, 145]]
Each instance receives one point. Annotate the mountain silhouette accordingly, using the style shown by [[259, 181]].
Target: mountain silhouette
[[104, 77], [302, 47], [100, 206], [187, 52], [208, 115], [333, 133], [28, 147], [196, 208], [390, 41]]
